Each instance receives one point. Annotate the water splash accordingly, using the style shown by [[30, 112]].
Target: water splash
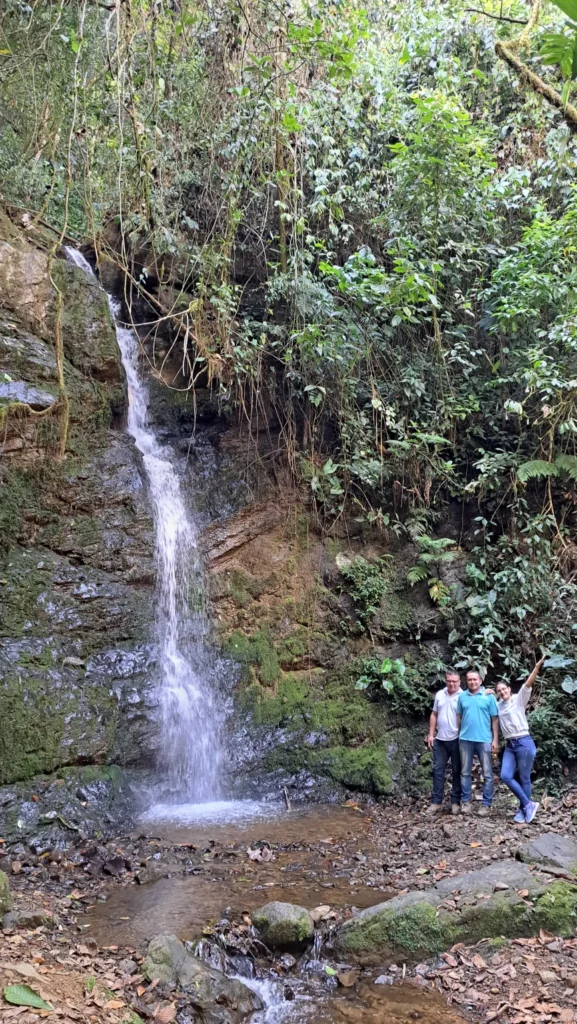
[[190, 715]]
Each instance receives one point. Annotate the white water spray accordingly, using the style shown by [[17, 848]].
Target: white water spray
[[190, 717]]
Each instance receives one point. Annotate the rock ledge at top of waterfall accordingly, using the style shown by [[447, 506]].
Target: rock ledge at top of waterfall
[[221, 1000]]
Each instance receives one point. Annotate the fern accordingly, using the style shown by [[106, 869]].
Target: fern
[[567, 464], [416, 574], [536, 468]]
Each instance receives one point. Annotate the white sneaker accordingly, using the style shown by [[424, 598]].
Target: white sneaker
[[520, 817]]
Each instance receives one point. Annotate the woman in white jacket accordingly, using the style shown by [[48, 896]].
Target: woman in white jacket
[[520, 750]]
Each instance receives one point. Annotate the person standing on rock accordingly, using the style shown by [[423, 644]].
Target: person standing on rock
[[520, 750], [478, 722], [445, 744]]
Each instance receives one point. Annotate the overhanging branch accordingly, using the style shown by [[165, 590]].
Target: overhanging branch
[[568, 110]]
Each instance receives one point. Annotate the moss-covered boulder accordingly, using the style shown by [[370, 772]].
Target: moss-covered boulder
[[481, 904], [220, 1000], [5, 895], [284, 925]]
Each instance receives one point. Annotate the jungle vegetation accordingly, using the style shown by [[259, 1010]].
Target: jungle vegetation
[[357, 221]]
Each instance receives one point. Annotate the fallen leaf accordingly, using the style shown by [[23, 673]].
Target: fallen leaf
[[166, 1014], [23, 995], [114, 1004], [26, 970]]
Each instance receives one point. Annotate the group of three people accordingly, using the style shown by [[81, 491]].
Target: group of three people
[[465, 723]]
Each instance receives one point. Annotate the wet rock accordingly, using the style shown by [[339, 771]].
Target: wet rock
[[284, 925], [5, 895], [426, 921], [115, 866], [220, 1000], [19, 391], [36, 917], [128, 966], [552, 850]]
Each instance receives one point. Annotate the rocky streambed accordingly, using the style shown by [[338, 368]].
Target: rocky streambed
[[327, 914]]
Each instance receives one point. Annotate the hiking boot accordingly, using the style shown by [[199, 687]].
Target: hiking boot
[[433, 810], [530, 811], [484, 811], [466, 809], [520, 817], [456, 809]]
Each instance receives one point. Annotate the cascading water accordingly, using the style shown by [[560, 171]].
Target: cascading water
[[190, 715]]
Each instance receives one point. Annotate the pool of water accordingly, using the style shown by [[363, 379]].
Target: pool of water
[[313, 850], [319, 853]]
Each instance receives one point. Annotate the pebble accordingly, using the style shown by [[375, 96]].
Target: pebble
[[548, 977], [384, 979]]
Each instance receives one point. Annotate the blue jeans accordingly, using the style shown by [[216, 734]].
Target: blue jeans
[[443, 751], [518, 757], [483, 751]]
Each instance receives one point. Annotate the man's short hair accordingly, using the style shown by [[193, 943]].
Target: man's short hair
[[452, 672]]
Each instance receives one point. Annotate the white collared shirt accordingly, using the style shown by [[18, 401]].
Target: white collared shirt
[[445, 707]]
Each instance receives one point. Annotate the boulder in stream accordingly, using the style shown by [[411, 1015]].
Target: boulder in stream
[[284, 925], [218, 999], [505, 898], [5, 896]]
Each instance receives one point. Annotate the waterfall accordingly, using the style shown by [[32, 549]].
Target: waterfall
[[189, 713]]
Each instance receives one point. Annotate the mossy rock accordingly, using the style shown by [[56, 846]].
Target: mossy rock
[[284, 925], [418, 925], [5, 894]]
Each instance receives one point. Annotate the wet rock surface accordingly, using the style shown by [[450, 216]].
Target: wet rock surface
[[216, 997], [284, 926]]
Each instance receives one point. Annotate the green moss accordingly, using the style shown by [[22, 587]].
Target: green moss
[[415, 932], [19, 495], [556, 909], [5, 896], [363, 768], [421, 929], [258, 651]]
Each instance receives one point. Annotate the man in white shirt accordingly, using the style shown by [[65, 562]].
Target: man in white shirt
[[445, 744]]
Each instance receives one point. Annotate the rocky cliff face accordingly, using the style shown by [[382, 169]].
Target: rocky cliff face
[[76, 535], [77, 571]]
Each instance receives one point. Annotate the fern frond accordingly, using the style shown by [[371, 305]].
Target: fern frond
[[568, 464], [416, 574], [536, 468]]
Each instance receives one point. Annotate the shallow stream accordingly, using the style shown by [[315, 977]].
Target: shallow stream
[[320, 857]]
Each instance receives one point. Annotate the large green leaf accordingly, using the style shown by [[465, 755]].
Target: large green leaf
[[23, 995], [559, 49], [569, 7]]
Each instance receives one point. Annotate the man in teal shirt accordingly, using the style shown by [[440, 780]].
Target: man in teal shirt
[[478, 721]]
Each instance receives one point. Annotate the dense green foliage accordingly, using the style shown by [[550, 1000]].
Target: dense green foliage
[[362, 229]]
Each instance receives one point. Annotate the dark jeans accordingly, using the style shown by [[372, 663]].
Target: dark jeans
[[518, 757], [443, 751], [468, 749]]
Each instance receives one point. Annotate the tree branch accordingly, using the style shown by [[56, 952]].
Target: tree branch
[[496, 17], [568, 110]]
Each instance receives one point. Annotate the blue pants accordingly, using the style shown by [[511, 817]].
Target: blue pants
[[468, 749], [443, 751], [518, 757]]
